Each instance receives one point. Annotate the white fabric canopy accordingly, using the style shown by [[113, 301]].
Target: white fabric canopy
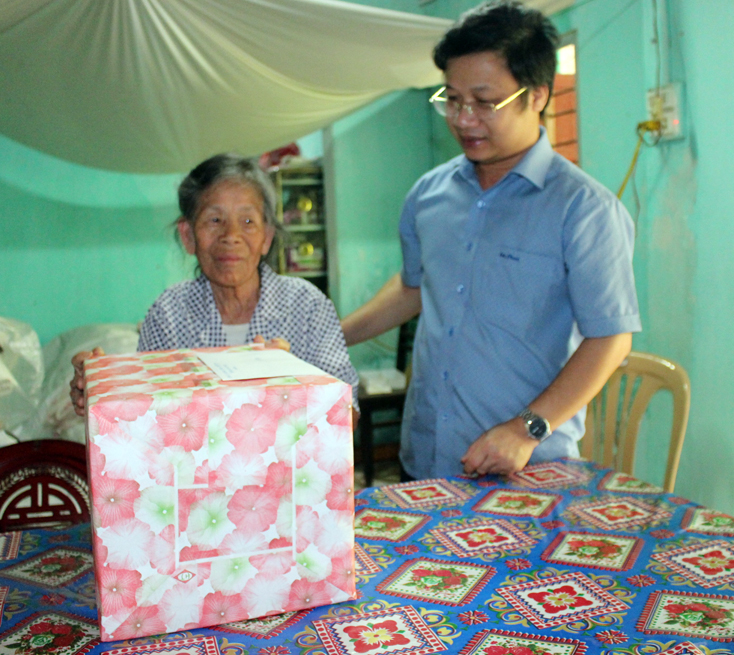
[[154, 86]]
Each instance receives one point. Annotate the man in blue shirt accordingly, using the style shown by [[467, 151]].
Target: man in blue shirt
[[519, 263]]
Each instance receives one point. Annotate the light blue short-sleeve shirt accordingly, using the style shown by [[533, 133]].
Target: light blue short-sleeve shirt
[[512, 279]]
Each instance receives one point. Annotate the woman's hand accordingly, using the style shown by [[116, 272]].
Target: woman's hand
[[278, 342], [77, 383]]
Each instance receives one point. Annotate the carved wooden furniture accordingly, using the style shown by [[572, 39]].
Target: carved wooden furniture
[[43, 484]]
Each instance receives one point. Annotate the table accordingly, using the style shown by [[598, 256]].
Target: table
[[563, 558]]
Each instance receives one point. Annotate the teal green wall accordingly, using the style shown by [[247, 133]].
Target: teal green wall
[[81, 246], [683, 271], [379, 152]]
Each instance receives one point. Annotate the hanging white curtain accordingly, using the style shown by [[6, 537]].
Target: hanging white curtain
[[154, 86]]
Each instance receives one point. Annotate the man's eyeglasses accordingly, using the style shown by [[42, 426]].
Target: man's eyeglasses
[[451, 107]]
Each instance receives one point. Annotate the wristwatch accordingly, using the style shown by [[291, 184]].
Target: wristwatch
[[538, 428]]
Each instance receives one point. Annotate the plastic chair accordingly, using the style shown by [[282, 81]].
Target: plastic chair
[[43, 484], [614, 415]]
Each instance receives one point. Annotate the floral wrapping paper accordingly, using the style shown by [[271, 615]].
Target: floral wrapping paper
[[215, 501]]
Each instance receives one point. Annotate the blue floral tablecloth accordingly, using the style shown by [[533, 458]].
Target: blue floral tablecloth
[[563, 558]]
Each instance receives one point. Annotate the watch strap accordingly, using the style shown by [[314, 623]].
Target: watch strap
[[536, 426]]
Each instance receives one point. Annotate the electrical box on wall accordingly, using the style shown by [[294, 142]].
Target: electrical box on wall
[[664, 105]]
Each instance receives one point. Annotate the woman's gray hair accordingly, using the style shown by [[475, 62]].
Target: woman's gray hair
[[226, 167]]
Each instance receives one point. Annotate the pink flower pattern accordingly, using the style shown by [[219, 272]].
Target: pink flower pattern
[[281, 401], [118, 588], [342, 572], [341, 412], [220, 608], [114, 499], [120, 407], [306, 594], [185, 427], [253, 509], [141, 622], [251, 430], [166, 436], [342, 491]]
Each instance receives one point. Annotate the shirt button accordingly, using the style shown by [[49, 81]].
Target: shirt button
[[469, 246], [460, 289], [445, 375], [481, 203], [451, 331], [445, 417]]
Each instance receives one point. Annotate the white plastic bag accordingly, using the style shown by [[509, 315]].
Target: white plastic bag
[[57, 419], [21, 375]]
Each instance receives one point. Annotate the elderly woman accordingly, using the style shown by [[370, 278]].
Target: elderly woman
[[227, 220]]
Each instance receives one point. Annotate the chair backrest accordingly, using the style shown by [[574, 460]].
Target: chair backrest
[[614, 415], [43, 484], [406, 336]]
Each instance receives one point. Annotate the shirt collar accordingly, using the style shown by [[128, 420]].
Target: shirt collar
[[266, 301], [204, 287], [533, 166], [267, 304], [266, 308]]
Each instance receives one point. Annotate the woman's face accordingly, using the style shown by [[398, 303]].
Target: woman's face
[[229, 234]]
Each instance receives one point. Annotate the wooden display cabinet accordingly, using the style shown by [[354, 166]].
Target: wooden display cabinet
[[302, 248]]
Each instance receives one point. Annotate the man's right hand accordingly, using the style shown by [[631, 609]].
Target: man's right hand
[[503, 450], [77, 383]]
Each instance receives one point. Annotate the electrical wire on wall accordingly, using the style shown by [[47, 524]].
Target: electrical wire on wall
[[649, 132], [643, 128]]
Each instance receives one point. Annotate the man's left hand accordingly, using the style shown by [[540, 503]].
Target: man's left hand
[[504, 449]]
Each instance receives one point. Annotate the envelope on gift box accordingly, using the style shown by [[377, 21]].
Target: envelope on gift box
[[216, 500]]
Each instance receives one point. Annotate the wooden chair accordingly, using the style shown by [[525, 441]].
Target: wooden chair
[[614, 415], [370, 404], [43, 484]]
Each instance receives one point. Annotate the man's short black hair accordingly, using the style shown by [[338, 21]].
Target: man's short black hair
[[524, 37]]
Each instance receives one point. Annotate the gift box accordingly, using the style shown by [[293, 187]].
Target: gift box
[[212, 500]]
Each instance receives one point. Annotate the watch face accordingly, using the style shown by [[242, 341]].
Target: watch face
[[537, 428]]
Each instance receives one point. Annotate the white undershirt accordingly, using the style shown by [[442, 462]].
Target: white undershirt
[[236, 334]]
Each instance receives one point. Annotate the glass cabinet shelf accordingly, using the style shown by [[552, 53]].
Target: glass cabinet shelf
[[302, 251]]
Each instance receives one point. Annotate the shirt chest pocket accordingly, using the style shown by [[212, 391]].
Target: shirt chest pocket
[[516, 289]]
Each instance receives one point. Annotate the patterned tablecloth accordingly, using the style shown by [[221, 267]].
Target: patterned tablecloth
[[563, 558]]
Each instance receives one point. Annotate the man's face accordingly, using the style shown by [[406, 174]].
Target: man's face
[[482, 78]]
